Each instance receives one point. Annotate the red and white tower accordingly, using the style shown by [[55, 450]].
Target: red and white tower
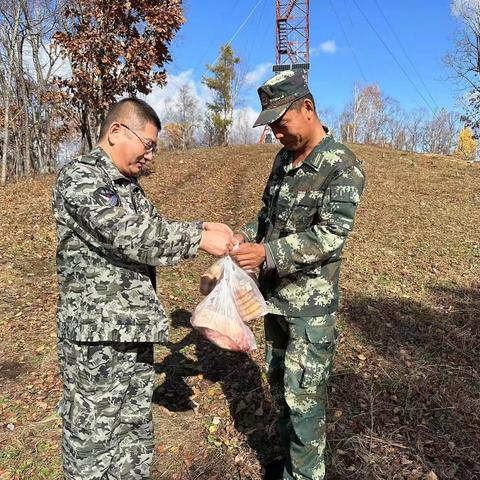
[[293, 42], [293, 35]]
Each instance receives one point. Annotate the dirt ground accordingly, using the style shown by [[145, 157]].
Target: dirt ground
[[405, 395]]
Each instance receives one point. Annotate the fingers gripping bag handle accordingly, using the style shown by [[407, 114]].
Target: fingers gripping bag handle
[[217, 319]]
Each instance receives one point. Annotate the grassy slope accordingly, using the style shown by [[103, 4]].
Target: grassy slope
[[405, 397]]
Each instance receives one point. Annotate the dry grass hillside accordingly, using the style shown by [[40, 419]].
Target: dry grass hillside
[[405, 395]]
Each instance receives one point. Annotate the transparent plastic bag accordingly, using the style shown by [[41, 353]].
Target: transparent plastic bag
[[243, 284], [218, 318]]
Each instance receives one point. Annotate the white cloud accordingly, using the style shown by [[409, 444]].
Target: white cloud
[[243, 118], [159, 97], [254, 77], [329, 47]]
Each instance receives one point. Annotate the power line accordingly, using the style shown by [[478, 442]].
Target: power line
[[394, 57], [252, 11], [201, 58], [245, 21], [406, 54], [255, 41], [348, 41]]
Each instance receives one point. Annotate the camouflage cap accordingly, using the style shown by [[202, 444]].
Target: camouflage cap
[[278, 93]]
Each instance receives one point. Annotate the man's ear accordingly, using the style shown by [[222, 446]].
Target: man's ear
[[114, 133], [309, 108]]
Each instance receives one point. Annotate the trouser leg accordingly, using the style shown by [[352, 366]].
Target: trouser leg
[[276, 341], [134, 455], [106, 409], [308, 361], [303, 349]]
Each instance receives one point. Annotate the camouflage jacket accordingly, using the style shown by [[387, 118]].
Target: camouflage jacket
[[110, 238], [307, 214]]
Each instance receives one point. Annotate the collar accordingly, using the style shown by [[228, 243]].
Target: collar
[[315, 157]]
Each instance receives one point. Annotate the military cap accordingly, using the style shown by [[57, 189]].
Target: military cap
[[278, 93]]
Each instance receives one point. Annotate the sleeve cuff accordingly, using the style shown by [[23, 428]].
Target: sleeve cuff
[[194, 237], [270, 264], [246, 237]]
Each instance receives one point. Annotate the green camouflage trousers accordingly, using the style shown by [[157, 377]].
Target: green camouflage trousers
[[106, 410], [299, 356]]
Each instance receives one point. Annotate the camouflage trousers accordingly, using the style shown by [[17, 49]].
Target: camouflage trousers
[[106, 410], [299, 356]]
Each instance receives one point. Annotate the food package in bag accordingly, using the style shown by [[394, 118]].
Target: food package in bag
[[217, 318], [248, 298]]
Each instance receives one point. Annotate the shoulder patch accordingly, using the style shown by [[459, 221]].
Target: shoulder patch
[[88, 159], [107, 197]]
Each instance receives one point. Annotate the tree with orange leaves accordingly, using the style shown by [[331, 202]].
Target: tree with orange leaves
[[114, 49]]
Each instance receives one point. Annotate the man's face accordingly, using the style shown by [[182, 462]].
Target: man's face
[[132, 147], [292, 129]]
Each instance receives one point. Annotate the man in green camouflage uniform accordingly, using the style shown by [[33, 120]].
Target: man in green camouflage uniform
[[110, 238], [297, 238]]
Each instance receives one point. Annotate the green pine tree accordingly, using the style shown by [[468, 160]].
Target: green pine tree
[[223, 83]]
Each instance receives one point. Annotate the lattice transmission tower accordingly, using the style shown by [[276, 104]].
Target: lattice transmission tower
[[292, 42], [293, 35]]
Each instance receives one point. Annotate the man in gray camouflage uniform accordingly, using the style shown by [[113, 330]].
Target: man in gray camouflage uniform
[[110, 238], [297, 239]]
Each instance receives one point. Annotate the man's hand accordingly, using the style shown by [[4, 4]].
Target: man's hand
[[249, 255], [216, 243], [216, 227]]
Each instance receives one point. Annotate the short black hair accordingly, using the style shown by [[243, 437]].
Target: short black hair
[[297, 104], [125, 109]]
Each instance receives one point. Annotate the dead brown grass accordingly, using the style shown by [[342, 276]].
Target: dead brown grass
[[405, 395]]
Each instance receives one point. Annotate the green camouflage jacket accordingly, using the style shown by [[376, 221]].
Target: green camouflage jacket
[[110, 238], [307, 215]]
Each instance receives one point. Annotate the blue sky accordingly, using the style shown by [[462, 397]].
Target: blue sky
[[344, 48]]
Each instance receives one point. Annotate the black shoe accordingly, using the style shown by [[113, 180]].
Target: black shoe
[[274, 470]]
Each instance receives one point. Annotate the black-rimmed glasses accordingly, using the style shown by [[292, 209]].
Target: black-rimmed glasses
[[150, 147]]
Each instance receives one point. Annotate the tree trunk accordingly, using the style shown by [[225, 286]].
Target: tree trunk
[[8, 81]]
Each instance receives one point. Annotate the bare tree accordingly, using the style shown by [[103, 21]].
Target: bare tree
[[183, 119], [329, 119], [363, 117], [242, 131], [415, 125], [350, 117], [394, 128], [464, 59], [9, 39], [440, 132], [29, 100]]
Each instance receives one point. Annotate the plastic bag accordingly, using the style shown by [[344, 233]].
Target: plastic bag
[[244, 287], [219, 316]]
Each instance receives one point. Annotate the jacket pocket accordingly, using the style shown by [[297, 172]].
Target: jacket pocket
[[303, 212]]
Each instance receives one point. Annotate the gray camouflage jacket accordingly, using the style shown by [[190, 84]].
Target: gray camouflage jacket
[[307, 214], [110, 238]]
